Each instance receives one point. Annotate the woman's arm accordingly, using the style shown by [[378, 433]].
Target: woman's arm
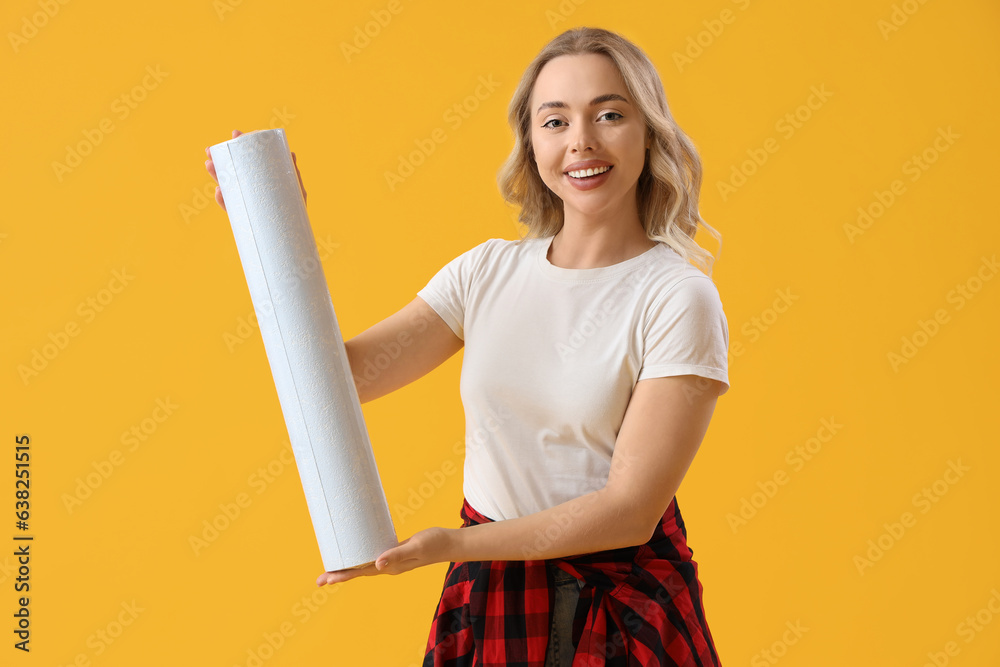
[[662, 429], [400, 349]]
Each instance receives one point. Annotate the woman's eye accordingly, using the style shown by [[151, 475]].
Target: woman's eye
[[606, 113]]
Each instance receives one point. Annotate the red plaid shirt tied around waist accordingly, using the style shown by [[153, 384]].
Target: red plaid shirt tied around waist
[[639, 607]]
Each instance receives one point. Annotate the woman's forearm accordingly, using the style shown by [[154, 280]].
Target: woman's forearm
[[592, 522]]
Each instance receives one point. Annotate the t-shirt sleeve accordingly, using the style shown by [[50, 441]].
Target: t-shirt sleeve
[[447, 292], [686, 333]]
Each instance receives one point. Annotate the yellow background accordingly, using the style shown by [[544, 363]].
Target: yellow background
[[140, 202]]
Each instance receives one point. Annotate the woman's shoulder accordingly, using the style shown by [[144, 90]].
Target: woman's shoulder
[[668, 265], [510, 245], [673, 276], [497, 249]]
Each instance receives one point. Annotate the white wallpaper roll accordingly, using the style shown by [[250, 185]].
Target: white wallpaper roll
[[305, 349]]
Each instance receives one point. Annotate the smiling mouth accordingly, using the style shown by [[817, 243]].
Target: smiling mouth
[[584, 174]]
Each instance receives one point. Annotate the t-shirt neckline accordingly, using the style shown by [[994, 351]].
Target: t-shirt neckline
[[595, 273]]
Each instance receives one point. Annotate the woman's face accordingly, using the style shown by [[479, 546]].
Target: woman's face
[[573, 129]]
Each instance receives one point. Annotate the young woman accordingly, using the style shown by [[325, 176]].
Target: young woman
[[594, 354]]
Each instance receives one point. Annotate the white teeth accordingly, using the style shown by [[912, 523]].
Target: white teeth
[[583, 173]]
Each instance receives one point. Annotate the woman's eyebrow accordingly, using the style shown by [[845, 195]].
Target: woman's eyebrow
[[600, 99]]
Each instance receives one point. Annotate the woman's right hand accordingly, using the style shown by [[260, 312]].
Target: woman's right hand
[[218, 190]]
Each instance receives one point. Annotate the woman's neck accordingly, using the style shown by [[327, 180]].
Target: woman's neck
[[575, 247]]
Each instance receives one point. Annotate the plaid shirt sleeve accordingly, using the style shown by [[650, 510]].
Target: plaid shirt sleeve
[[639, 606]]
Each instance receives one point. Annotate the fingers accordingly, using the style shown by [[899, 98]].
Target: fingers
[[210, 166], [218, 190], [211, 170], [345, 575], [299, 176]]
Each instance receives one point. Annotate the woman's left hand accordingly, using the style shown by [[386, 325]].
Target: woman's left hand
[[429, 546]]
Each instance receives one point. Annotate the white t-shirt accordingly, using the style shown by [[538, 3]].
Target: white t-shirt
[[551, 357]]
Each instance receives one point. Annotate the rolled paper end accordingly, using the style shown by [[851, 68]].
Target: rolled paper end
[[305, 349]]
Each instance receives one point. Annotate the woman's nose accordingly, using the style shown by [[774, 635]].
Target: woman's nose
[[582, 137]]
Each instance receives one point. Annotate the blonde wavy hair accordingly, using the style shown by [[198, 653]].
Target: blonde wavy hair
[[670, 182]]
